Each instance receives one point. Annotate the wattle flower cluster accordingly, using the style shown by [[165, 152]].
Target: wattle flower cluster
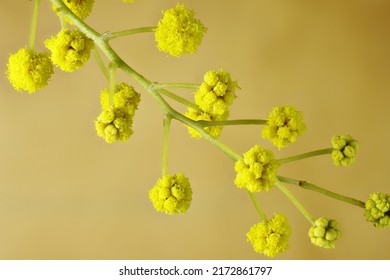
[[284, 125], [179, 32], [344, 150], [325, 233], [378, 209], [257, 170], [70, 49], [270, 237], [172, 194], [29, 71], [213, 98], [115, 122]]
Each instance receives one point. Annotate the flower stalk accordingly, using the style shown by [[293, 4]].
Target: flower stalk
[[323, 191], [297, 204], [114, 35], [257, 206], [167, 124], [33, 26], [305, 155], [112, 79]]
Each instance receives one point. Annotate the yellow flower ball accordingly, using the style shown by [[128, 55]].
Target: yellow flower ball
[[179, 32], [29, 71], [270, 237], [81, 8], [257, 170], [172, 194], [284, 125], [70, 49]]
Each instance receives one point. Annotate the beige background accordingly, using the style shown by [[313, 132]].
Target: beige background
[[66, 194]]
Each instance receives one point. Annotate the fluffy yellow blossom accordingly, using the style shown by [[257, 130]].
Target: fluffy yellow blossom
[[270, 237], [325, 233], [344, 150], [115, 122], [195, 115], [81, 8], [124, 96], [114, 125], [257, 170], [172, 194], [70, 49], [29, 71], [179, 32], [284, 125], [213, 98], [216, 93], [128, 1]]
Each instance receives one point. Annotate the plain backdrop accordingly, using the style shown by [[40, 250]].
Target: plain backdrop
[[66, 194]]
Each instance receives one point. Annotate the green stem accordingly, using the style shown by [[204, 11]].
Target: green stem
[[63, 22], [112, 79], [232, 122], [297, 204], [257, 206], [323, 191], [193, 124], [178, 85], [167, 124], [178, 98], [100, 63], [305, 155], [33, 26], [114, 35]]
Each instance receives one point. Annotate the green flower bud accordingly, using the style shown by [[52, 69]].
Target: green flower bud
[[378, 209], [324, 233], [344, 150]]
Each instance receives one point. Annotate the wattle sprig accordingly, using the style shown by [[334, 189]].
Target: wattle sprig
[[178, 33]]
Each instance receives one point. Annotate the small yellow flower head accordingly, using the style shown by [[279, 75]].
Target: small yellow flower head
[[270, 237], [325, 233], [70, 49], [124, 96], [344, 150], [172, 194], [128, 1], [195, 115], [378, 209], [114, 125], [285, 124], [216, 93], [81, 8], [179, 32], [29, 71], [257, 170]]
